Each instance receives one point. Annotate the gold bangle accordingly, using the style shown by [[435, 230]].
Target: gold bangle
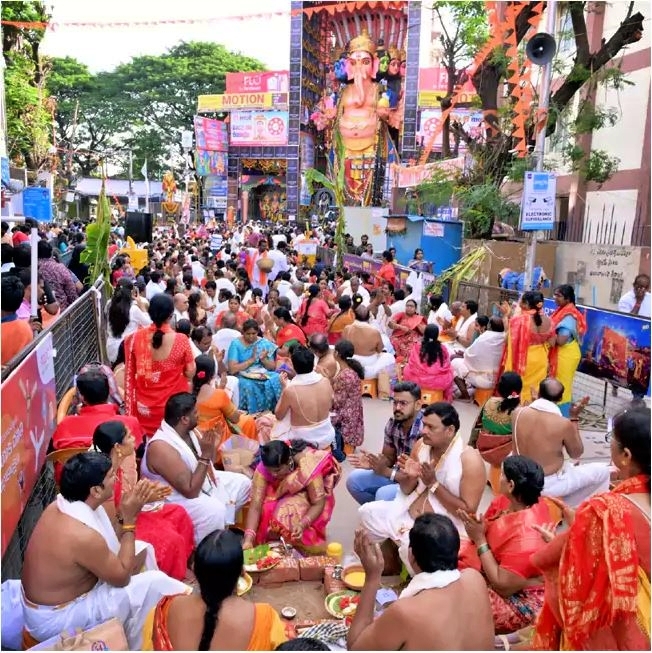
[[128, 528]]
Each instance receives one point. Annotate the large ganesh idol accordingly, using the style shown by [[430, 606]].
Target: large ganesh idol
[[361, 123]]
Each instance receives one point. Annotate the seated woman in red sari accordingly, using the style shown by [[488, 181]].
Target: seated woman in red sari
[[429, 364], [292, 495], [597, 573], [314, 312], [502, 542], [408, 328], [235, 307], [166, 526], [158, 364], [288, 333], [215, 619], [215, 410]]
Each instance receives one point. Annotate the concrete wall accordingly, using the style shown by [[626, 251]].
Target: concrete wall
[[601, 274]]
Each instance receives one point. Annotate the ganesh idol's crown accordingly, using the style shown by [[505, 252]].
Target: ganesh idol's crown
[[362, 43]]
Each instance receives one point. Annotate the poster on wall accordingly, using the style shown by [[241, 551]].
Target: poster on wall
[[211, 163], [429, 121], [211, 135], [616, 348], [270, 81], [259, 128], [29, 408]]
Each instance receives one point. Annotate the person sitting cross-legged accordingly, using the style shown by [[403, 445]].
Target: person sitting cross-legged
[[182, 458], [436, 610], [377, 477], [77, 572]]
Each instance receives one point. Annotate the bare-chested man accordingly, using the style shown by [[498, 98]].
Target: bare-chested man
[[441, 475], [442, 609], [326, 364], [542, 433], [306, 402], [368, 344], [78, 572]]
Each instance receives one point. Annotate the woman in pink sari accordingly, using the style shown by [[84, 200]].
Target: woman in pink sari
[[429, 364], [292, 496], [408, 327]]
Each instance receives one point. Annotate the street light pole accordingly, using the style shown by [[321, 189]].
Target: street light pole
[[540, 147]]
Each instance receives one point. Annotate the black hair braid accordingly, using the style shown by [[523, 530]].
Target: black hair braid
[[157, 339], [304, 317], [210, 623]]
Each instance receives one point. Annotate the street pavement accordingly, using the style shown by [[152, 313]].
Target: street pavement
[[376, 413]]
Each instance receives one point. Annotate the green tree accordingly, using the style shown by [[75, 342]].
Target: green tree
[[464, 30], [28, 111]]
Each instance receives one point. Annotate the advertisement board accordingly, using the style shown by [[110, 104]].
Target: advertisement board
[[234, 101], [273, 81], [616, 347], [429, 120], [355, 263], [433, 85], [29, 408], [211, 163], [37, 203], [259, 128], [538, 203], [211, 135]]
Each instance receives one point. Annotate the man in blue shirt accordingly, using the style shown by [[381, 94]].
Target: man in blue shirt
[[375, 477]]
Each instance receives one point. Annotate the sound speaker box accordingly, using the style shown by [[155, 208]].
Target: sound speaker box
[[139, 227]]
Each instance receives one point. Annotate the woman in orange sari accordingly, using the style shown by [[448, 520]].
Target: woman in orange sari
[[215, 409], [235, 307], [527, 343], [292, 495], [387, 273], [341, 320], [598, 572], [502, 542], [158, 364], [408, 328], [216, 618]]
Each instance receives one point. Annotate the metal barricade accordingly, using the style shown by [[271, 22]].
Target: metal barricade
[[78, 337]]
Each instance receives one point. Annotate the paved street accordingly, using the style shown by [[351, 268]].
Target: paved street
[[377, 412]]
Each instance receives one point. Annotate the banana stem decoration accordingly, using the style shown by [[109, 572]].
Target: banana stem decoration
[[464, 270]]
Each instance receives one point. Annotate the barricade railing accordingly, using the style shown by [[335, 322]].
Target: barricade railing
[[78, 337], [485, 296]]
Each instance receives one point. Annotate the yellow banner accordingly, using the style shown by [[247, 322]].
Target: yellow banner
[[235, 101], [430, 99]]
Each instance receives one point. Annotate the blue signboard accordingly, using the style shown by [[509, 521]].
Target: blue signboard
[[616, 347], [37, 204], [4, 162], [538, 205]]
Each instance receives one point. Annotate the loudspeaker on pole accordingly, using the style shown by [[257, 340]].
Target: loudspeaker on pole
[[541, 49]]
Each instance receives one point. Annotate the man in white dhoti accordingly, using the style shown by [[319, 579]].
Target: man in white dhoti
[[541, 432], [442, 475], [77, 572], [182, 458], [305, 403], [478, 366], [368, 345], [462, 333]]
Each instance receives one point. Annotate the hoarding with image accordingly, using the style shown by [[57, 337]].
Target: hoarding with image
[[272, 81], [259, 128], [211, 163], [430, 118], [211, 135]]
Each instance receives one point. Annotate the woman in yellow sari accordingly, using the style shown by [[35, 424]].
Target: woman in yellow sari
[[292, 495], [216, 619], [527, 343], [215, 409], [569, 326]]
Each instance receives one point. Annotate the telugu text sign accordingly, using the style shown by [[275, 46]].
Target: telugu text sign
[[259, 128], [538, 202], [235, 101], [29, 408]]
